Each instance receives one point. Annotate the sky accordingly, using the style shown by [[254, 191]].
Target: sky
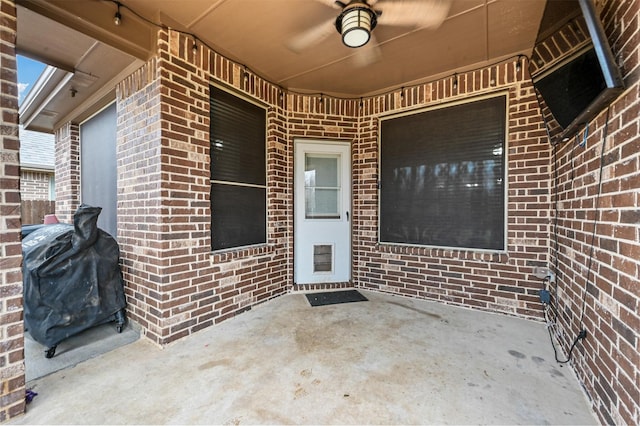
[[28, 72]]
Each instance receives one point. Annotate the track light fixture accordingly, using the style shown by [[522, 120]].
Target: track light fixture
[[194, 48], [117, 18]]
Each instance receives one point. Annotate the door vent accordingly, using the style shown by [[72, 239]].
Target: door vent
[[323, 258]]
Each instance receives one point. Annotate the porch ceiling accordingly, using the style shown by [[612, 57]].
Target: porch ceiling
[[258, 34]]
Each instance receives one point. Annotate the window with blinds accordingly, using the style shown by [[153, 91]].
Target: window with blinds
[[442, 176], [238, 171]]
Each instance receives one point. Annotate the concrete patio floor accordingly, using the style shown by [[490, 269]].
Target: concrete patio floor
[[88, 344], [390, 360]]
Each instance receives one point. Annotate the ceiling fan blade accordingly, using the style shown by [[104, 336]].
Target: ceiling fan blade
[[367, 54], [419, 13], [332, 3], [312, 36]]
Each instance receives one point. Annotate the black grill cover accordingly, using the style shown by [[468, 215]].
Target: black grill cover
[[72, 279]]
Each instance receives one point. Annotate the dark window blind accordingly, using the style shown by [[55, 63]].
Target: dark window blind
[[238, 216], [238, 130], [442, 175], [238, 171]]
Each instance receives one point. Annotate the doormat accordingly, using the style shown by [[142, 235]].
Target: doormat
[[335, 297]]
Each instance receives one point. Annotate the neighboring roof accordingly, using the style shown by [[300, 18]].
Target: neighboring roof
[[37, 150], [82, 72]]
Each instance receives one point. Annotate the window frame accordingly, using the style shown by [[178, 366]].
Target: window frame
[[231, 91], [505, 174], [52, 186]]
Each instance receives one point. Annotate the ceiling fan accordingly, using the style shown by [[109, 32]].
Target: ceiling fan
[[358, 18]]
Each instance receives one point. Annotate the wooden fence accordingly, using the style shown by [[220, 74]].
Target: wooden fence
[[33, 211]]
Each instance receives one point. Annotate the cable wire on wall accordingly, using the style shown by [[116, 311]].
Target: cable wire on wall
[[582, 334], [596, 216]]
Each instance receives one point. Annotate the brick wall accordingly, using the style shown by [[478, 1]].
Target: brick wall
[[175, 285], [12, 385], [140, 211], [67, 175], [501, 282], [34, 185], [565, 41], [604, 299], [319, 118]]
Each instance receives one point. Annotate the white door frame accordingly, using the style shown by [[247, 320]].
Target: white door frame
[[319, 241]]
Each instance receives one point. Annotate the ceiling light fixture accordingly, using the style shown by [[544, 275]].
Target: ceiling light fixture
[[117, 18], [355, 24], [518, 65], [455, 81]]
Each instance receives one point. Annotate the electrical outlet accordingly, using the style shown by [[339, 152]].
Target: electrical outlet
[[545, 296]]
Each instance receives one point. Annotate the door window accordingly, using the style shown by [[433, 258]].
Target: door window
[[322, 186]]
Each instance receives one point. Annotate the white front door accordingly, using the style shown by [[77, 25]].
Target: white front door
[[322, 241]]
